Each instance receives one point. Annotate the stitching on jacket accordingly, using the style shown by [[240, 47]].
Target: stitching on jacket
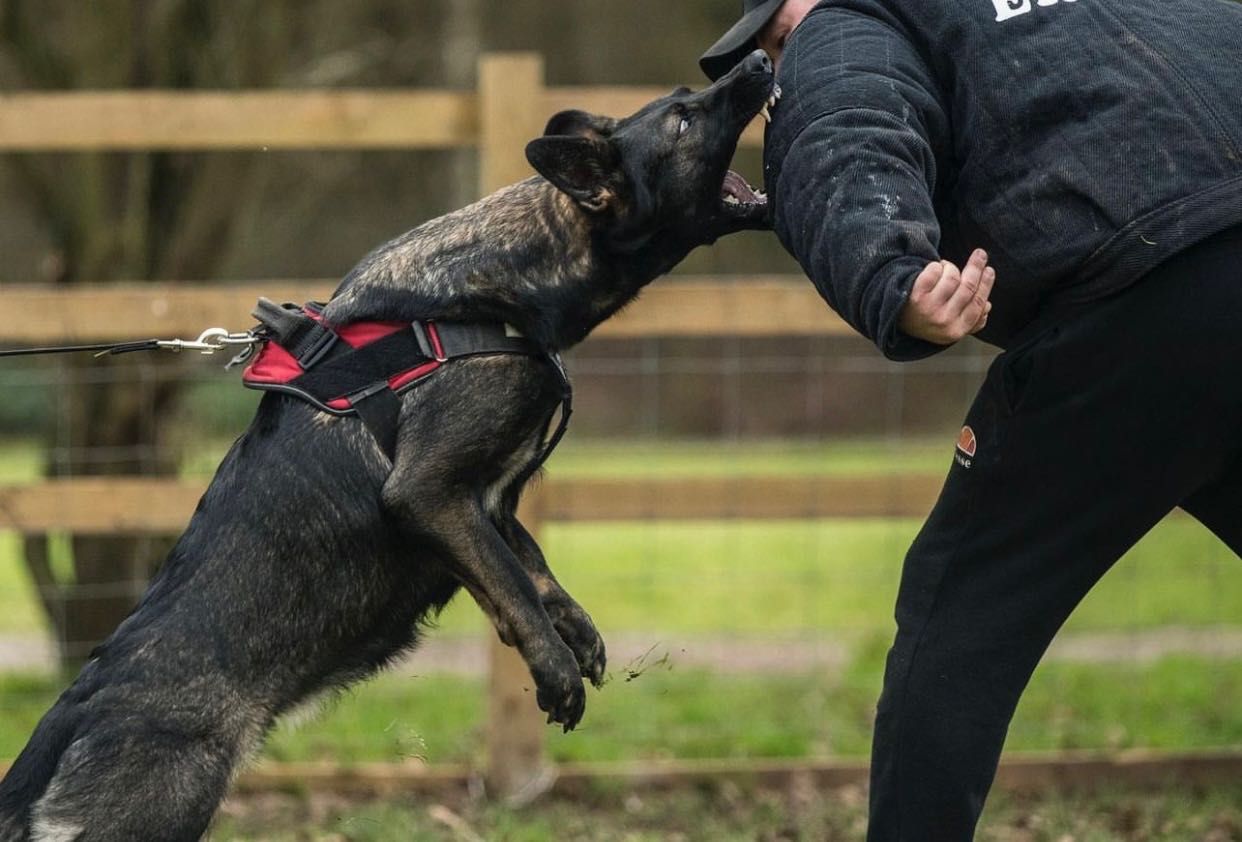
[[888, 116], [1168, 64], [1159, 211], [934, 92]]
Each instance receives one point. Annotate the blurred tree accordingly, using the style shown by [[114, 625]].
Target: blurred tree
[[173, 216], [127, 217], [97, 217]]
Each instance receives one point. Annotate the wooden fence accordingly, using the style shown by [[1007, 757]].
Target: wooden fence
[[510, 106]]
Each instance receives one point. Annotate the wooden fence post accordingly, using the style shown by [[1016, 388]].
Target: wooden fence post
[[511, 95], [517, 769]]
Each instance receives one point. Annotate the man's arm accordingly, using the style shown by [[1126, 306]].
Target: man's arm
[[852, 171]]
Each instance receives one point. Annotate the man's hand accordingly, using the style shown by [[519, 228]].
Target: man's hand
[[946, 304]]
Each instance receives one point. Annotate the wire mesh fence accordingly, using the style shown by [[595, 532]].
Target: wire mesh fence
[[729, 637], [738, 626]]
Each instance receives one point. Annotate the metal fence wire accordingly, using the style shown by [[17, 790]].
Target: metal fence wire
[[732, 504], [699, 614]]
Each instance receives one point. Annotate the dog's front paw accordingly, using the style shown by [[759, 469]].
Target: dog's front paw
[[558, 687], [575, 627]]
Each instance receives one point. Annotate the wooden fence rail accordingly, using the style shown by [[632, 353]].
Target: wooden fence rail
[[133, 120], [286, 119], [155, 505], [510, 106], [683, 306]]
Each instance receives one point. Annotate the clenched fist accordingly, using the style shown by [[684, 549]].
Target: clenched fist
[[946, 304]]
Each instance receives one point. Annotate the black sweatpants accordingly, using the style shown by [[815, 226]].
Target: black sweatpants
[[1088, 431]]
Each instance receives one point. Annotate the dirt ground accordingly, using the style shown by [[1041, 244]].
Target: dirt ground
[[728, 812]]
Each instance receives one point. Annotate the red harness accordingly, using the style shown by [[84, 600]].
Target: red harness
[[362, 368], [275, 368]]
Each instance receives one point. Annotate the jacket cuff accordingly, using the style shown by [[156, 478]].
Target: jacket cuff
[[892, 341]]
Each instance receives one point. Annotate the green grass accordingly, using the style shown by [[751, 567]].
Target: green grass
[[437, 718], [729, 813], [19, 606], [655, 458], [1184, 703], [780, 578], [833, 576], [632, 459], [832, 579], [839, 577], [20, 461], [669, 712]]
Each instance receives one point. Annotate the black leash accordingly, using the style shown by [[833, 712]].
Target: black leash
[[122, 348], [378, 406], [209, 341]]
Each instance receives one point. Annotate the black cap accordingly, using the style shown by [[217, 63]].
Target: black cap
[[739, 41]]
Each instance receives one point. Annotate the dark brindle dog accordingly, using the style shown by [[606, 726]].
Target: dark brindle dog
[[312, 559]]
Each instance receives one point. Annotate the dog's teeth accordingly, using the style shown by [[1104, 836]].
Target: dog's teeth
[[776, 91], [767, 118], [731, 200]]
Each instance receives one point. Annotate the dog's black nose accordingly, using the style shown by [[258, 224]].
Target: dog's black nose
[[758, 61]]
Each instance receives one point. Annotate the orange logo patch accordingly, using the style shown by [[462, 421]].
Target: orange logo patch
[[966, 441]]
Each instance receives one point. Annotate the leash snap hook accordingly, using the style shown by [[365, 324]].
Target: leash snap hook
[[209, 341]]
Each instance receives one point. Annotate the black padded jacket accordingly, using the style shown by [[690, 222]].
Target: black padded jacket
[[1080, 142]]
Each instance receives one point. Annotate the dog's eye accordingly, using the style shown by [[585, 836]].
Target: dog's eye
[[683, 126]]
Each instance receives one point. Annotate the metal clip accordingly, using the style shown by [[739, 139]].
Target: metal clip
[[243, 356], [209, 341]]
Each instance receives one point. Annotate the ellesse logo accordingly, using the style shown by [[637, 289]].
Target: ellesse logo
[[966, 441], [966, 446]]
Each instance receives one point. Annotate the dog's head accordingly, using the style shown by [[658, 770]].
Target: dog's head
[[661, 176]]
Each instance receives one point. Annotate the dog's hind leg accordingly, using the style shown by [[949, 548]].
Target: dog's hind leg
[[13, 828], [131, 779], [28, 777]]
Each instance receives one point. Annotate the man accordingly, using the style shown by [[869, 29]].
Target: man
[[1093, 149]]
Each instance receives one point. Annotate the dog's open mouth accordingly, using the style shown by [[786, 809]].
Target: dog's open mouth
[[738, 194], [773, 99]]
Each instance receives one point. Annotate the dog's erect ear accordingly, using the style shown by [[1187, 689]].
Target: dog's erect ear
[[583, 168], [580, 123]]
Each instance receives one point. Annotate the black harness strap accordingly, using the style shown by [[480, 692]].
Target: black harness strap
[[333, 369], [380, 409], [463, 339], [341, 372], [303, 337]]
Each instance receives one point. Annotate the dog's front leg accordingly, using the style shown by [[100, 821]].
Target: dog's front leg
[[466, 539], [570, 619]]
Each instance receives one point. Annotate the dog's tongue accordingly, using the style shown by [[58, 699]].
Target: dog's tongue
[[736, 186]]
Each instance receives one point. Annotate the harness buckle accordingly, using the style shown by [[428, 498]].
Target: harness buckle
[[365, 392], [292, 328], [321, 342], [429, 341]]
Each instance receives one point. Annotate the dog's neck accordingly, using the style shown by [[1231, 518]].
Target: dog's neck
[[525, 255]]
